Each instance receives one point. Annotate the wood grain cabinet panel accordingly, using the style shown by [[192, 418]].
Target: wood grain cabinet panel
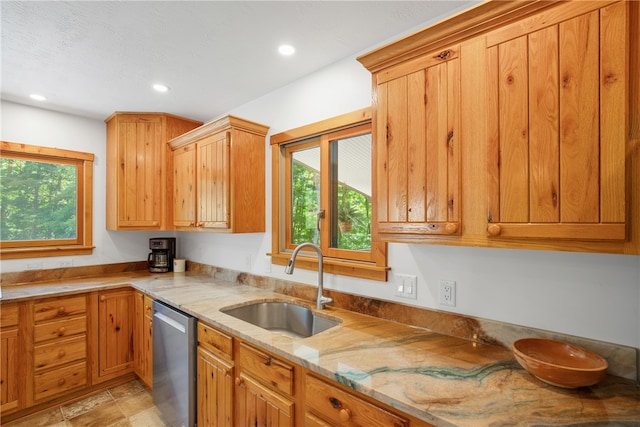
[[10, 354], [115, 333], [557, 116], [215, 390], [257, 405], [218, 176], [143, 338], [139, 179], [417, 147], [59, 347], [340, 408]]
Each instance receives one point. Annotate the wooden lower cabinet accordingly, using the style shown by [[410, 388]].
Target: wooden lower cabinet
[[340, 408], [215, 390], [258, 405], [115, 333], [10, 355], [143, 337], [59, 359]]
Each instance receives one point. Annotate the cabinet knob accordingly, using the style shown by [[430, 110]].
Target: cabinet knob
[[102, 298], [61, 381], [345, 414], [61, 331], [493, 229], [201, 224], [451, 227], [61, 311], [61, 353], [239, 381]]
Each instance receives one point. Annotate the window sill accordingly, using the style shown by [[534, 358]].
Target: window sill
[[363, 270], [43, 251]]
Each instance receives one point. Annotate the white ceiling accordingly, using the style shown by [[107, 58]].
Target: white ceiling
[[95, 57]]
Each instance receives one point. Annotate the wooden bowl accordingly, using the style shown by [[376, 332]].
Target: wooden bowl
[[559, 363]]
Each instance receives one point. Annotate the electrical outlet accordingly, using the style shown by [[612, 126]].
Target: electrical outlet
[[406, 285], [448, 292]]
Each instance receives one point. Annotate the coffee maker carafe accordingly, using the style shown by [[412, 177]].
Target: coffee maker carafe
[[163, 250]]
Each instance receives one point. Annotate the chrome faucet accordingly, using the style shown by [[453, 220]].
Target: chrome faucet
[[321, 300]]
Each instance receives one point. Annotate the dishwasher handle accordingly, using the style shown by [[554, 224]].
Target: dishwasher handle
[[169, 321]]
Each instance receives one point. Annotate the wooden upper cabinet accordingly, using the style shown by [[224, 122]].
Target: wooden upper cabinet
[[219, 177], [416, 146], [557, 117], [138, 169]]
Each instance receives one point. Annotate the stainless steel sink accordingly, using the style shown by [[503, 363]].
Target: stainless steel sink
[[283, 317]]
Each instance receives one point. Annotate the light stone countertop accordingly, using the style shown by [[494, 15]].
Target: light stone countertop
[[442, 380]]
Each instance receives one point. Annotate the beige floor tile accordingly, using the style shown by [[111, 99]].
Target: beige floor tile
[[147, 418], [132, 387], [105, 415], [134, 403], [51, 418], [80, 407]]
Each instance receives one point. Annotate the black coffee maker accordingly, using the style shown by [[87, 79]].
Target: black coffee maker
[[163, 250]]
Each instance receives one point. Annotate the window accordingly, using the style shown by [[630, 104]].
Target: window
[[45, 201], [322, 173]]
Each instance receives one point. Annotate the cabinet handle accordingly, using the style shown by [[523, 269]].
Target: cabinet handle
[[493, 229], [239, 381], [61, 353], [61, 331], [345, 414], [61, 381]]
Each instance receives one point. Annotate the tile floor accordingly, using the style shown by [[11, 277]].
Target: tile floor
[[127, 405]]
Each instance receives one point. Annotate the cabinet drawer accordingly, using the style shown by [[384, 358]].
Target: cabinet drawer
[[266, 368], [215, 340], [48, 384], [60, 352], [8, 315], [55, 308], [60, 328], [343, 409]]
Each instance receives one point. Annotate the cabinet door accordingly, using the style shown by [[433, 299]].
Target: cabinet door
[[9, 377], [213, 181], [115, 330], [184, 182], [416, 147], [215, 391], [141, 160], [258, 406], [557, 120]]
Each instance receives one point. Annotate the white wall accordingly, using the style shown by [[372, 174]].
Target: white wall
[[35, 126], [589, 295]]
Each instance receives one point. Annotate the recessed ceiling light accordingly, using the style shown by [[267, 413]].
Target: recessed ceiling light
[[160, 88], [37, 97], [286, 50]]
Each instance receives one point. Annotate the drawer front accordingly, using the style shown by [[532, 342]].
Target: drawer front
[[8, 315], [51, 383], [215, 340], [60, 352], [60, 328], [56, 308], [343, 409], [266, 368]]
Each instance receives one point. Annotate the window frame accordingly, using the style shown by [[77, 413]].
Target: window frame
[[82, 244], [336, 261]]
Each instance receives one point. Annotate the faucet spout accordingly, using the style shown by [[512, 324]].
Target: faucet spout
[[321, 300]]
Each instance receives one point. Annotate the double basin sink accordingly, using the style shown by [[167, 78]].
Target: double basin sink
[[283, 317]]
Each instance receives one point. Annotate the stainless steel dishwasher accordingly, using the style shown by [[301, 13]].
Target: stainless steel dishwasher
[[174, 365]]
